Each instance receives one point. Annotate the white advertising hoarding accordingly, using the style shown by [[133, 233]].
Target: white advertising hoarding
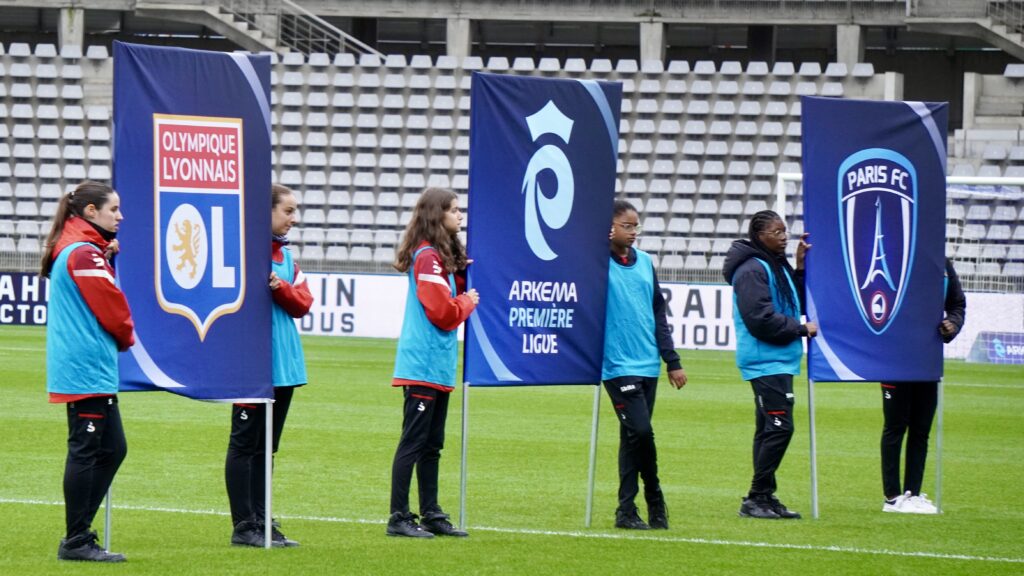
[[372, 306]]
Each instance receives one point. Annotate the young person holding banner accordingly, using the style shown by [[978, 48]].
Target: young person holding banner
[[767, 294], [427, 356], [244, 468], [910, 407], [88, 323], [637, 340]]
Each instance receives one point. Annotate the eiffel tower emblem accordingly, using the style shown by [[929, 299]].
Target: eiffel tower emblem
[[879, 267]]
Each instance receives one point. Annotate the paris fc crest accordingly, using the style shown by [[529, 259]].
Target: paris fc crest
[[877, 225], [200, 240]]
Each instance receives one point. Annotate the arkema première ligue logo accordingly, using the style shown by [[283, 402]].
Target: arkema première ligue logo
[[200, 232], [878, 224], [552, 206]]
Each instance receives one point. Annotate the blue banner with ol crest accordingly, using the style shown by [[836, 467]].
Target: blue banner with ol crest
[[874, 203], [541, 189], [192, 167]]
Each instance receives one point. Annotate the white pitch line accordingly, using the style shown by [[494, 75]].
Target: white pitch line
[[996, 386], [592, 535]]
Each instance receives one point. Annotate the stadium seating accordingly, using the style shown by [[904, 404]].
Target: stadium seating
[[358, 138]]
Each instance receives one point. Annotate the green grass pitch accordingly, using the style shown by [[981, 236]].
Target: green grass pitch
[[527, 479]]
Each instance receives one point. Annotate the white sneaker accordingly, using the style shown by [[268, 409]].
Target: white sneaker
[[920, 505], [896, 504]]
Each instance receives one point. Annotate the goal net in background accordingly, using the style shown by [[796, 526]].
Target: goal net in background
[[985, 235], [984, 228], [984, 238]]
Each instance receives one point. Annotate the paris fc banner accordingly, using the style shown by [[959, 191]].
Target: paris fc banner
[[874, 204], [192, 167], [542, 163]]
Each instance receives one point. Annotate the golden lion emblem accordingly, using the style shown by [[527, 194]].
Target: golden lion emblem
[[188, 235]]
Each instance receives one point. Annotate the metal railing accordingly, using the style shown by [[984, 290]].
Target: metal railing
[[949, 8], [19, 261], [1009, 13], [753, 10], [306, 32], [294, 27]]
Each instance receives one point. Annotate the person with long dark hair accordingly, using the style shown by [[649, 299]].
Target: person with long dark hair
[[88, 322], [767, 295], [636, 341], [435, 260], [244, 468]]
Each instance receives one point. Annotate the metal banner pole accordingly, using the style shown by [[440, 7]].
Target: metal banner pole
[[106, 522], [592, 468], [268, 475], [814, 449], [465, 446], [938, 446]]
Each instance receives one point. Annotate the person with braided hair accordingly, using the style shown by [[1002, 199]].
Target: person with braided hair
[[767, 294]]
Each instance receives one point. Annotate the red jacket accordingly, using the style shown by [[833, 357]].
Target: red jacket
[[294, 298], [93, 274], [435, 294]]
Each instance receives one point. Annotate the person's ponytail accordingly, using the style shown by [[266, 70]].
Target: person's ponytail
[[71, 204]]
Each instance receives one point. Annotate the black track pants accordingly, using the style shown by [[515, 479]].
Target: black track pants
[[773, 398], [96, 448], [909, 408], [245, 464], [425, 413], [633, 400]]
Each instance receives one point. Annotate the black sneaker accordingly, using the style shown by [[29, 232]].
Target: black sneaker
[[85, 548], [279, 539], [657, 515], [404, 524], [248, 533], [757, 507], [629, 520], [780, 509], [437, 524]]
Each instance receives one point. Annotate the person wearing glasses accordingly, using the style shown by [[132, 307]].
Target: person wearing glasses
[[767, 294], [637, 340]]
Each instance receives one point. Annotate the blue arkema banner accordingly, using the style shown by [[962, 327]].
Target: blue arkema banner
[[192, 167], [542, 168], [874, 203]]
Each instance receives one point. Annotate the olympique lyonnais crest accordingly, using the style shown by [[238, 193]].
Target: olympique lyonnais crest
[[200, 242], [878, 224]]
